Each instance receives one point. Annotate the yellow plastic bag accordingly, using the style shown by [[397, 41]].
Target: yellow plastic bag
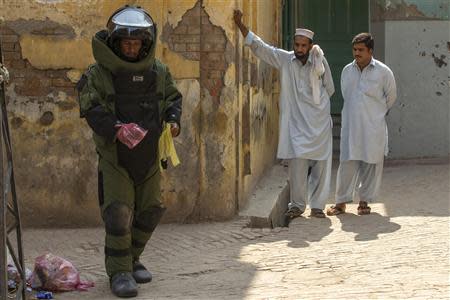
[[167, 148]]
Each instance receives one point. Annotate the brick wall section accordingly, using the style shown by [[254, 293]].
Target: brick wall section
[[213, 64], [27, 80], [196, 38], [185, 37]]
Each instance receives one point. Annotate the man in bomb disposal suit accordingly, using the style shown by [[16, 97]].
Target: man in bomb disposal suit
[[126, 98]]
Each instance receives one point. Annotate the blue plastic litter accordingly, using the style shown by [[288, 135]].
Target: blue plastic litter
[[44, 295]]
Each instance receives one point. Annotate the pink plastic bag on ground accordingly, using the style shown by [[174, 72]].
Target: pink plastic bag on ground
[[53, 273]]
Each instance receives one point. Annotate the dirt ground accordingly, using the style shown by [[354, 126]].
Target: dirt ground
[[400, 251]]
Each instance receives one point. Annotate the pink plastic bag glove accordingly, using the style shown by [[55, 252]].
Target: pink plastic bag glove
[[130, 134]]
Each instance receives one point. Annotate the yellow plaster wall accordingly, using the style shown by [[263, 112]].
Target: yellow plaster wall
[[264, 19], [86, 18], [205, 183], [51, 53]]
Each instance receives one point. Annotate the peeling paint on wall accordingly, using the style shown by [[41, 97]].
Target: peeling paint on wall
[[410, 10], [45, 27], [184, 38], [48, 48]]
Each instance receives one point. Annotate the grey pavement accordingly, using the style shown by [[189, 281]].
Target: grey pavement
[[400, 251]]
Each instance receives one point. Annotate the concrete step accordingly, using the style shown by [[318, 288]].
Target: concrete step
[[268, 203], [336, 131]]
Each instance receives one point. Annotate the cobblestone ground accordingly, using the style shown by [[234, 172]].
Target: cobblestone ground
[[400, 251]]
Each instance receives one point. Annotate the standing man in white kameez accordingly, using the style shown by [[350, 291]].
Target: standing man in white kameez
[[369, 91], [305, 137]]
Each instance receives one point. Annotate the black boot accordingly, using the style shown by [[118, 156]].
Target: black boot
[[140, 273], [123, 285]]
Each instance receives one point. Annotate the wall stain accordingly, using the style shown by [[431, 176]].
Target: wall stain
[[16, 122], [439, 61], [37, 27], [67, 105], [47, 118], [401, 10]]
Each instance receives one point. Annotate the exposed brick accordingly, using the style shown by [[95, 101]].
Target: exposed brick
[[178, 47], [215, 56], [213, 47], [193, 29], [207, 29], [205, 20], [192, 55], [213, 65], [68, 90], [28, 65], [209, 48], [194, 12], [18, 81], [180, 29], [215, 74], [34, 86], [6, 31], [9, 38], [214, 38], [11, 56], [8, 47], [17, 73], [17, 64], [191, 21], [193, 47], [187, 39], [60, 82], [55, 73]]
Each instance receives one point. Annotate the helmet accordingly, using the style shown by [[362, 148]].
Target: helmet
[[133, 23]]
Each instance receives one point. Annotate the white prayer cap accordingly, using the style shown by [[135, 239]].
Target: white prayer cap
[[304, 32]]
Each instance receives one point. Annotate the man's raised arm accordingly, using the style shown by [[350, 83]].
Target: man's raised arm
[[238, 20], [271, 55]]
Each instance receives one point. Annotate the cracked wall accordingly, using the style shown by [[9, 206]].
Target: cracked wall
[[47, 49]]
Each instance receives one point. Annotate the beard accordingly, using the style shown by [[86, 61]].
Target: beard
[[301, 56]]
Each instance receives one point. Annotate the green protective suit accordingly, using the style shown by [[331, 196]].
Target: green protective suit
[[129, 180]]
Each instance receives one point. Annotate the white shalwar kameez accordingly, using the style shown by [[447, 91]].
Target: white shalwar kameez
[[305, 137], [368, 95]]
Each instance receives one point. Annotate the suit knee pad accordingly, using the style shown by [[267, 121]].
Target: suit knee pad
[[117, 218], [149, 219]]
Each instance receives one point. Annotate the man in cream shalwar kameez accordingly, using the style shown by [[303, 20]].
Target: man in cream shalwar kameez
[[369, 91], [305, 137]]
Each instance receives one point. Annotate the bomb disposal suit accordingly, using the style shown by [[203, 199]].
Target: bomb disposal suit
[[120, 90]]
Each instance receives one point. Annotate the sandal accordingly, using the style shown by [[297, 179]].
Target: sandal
[[317, 213], [335, 210], [363, 208], [294, 212]]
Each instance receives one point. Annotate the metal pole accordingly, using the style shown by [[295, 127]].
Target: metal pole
[[3, 233], [7, 185]]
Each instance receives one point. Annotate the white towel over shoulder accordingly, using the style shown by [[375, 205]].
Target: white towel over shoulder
[[317, 71]]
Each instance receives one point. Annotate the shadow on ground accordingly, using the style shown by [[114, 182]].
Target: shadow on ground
[[367, 227]]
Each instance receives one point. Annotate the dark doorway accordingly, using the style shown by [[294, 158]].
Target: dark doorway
[[334, 23]]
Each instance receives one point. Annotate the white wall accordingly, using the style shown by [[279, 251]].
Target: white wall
[[419, 121]]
